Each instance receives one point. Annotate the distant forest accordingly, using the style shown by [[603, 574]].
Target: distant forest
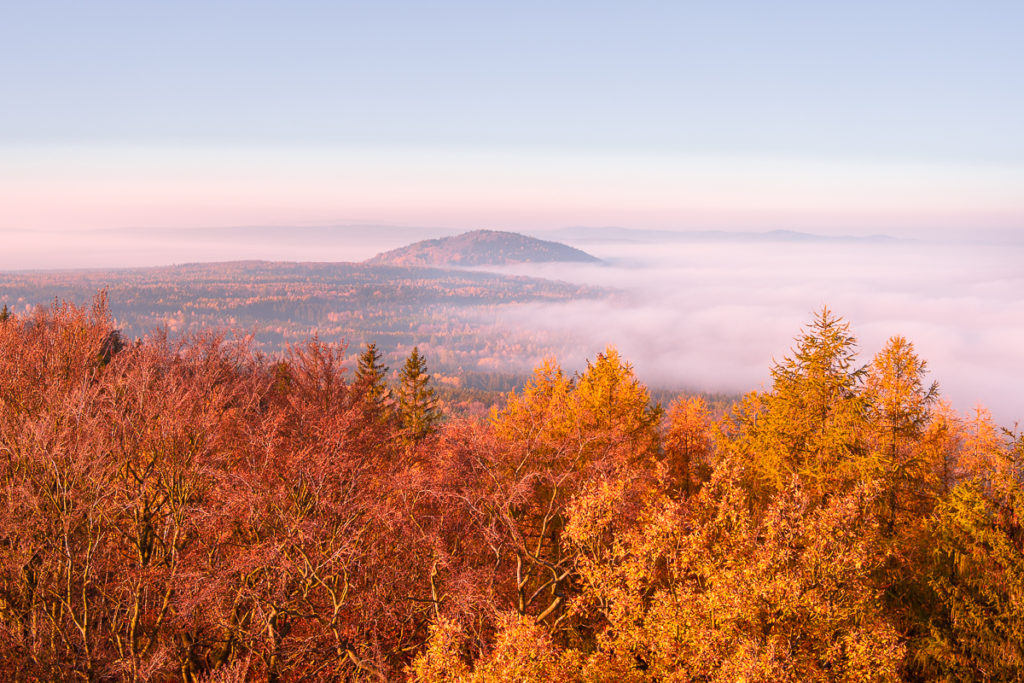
[[451, 314], [186, 508]]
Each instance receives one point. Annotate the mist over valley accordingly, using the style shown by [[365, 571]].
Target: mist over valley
[[697, 311]]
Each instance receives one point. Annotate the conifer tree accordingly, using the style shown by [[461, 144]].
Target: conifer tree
[[898, 405], [370, 377], [417, 404], [5, 314], [810, 424], [612, 410], [687, 443], [609, 396]]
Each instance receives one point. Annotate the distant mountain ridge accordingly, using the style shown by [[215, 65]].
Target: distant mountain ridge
[[613, 233], [481, 248], [639, 235]]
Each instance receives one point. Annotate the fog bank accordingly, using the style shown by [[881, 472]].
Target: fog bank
[[713, 316]]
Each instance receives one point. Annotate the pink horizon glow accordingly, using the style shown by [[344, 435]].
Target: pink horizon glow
[[160, 188]]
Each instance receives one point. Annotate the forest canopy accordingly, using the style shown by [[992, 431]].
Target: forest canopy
[[189, 509]]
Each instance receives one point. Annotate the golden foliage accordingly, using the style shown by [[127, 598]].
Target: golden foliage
[[191, 511]]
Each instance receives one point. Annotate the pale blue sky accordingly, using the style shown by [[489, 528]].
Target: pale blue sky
[[133, 99]]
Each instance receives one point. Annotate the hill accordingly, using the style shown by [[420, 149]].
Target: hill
[[481, 248]]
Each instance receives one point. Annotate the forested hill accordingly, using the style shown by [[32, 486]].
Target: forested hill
[[481, 248]]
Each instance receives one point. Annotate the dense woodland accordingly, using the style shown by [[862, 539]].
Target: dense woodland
[[192, 510], [453, 315]]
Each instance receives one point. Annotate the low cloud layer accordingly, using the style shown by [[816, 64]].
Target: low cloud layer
[[713, 316]]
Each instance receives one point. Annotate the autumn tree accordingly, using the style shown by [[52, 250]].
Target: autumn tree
[[532, 474], [975, 628], [175, 512], [315, 373], [558, 436], [898, 401], [704, 589], [107, 461], [613, 410], [687, 444], [523, 651], [698, 589], [810, 423], [898, 410]]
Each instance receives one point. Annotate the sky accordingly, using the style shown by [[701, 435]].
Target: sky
[[899, 117]]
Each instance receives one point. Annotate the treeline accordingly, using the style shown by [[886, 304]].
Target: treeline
[[189, 510]]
